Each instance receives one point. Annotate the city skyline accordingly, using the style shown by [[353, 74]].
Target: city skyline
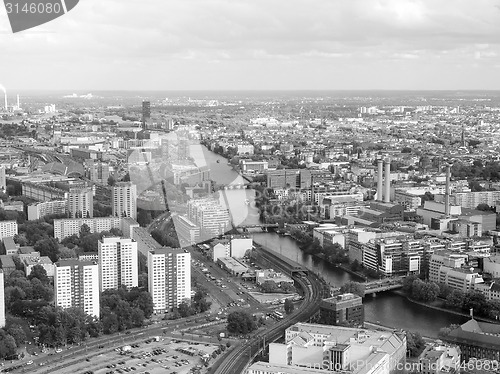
[[222, 45]]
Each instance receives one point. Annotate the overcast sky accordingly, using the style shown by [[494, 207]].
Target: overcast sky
[[258, 44]]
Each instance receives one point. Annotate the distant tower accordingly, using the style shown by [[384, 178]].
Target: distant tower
[[146, 113], [463, 137], [18, 102]]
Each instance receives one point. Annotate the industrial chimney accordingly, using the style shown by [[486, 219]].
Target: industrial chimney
[[387, 197], [18, 105], [5, 100], [380, 177], [447, 192]]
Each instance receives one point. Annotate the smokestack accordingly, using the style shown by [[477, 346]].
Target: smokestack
[[380, 178], [387, 197], [447, 192], [5, 101], [18, 105]]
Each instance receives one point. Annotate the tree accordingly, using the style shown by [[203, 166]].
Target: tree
[[184, 309], [84, 230], [416, 289], [430, 291], [240, 322], [483, 207], [66, 252], [48, 247], [7, 344], [289, 306], [477, 301], [408, 283], [415, 344], [455, 299], [269, 287], [353, 287], [111, 181], [39, 272]]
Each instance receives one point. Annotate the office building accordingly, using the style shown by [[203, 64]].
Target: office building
[[8, 229], [169, 277], [352, 350], [393, 256], [2, 300], [39, 210], [124, 200], [210, 216], [476, 340], [342, 310], [76, 285], [81, 203], [188, 232], [118, 263]]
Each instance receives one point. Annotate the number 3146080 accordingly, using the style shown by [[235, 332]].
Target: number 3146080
[[34, 8]]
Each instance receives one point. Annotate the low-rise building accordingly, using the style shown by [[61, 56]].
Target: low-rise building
[[232, 266], [32, 259], [345, 309], [270, 275], [439, 359], [344, 349]]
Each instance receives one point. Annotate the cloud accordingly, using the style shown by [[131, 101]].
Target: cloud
[[103, 36]]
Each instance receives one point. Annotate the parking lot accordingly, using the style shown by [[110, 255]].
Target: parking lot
[[162, 356]]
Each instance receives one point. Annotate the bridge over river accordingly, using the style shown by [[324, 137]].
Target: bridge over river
[[382, 285]]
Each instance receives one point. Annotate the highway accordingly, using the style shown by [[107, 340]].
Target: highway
[[237, 360]]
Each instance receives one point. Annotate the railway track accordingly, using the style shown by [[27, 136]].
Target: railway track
[[238, 359]]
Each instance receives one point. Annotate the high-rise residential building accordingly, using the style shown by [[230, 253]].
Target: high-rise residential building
[[118, 263], [98, 171], [81, 202], [169, 277], [76, 285], [3, 182], [2, 300], [210, 216], [146, 112], [8, 228], [124, 200]]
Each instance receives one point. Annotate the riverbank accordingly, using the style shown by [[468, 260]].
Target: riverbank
[[441, 309]]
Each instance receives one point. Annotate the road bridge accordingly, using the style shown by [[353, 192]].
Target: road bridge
[[383, 285]]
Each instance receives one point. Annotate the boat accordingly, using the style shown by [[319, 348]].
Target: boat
[[247, 202]]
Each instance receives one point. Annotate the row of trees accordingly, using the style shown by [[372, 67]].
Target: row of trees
[[453, 299], [478, 170], [420, 290], [475, 300], [273, 287], [124, 309], [166, 236]]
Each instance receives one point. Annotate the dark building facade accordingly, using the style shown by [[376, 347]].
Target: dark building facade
[[479, 340], [345, 310]]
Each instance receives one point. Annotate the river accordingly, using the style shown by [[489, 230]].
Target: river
[[388, 309]]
